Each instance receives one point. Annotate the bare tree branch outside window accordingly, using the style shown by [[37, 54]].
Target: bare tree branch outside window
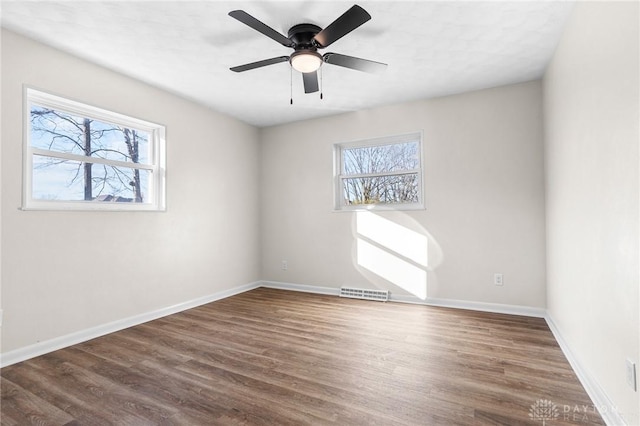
[[381, 174], [70, 180]]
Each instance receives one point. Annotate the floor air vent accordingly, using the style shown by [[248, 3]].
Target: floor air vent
[[361, 293]]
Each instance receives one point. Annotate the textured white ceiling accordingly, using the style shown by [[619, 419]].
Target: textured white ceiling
[[186, 47]]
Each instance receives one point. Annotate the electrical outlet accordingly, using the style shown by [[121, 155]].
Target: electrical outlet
[[631, 374], [284, 265], [498, 279]]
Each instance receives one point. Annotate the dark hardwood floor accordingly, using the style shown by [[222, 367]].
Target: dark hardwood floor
[[273, 357]]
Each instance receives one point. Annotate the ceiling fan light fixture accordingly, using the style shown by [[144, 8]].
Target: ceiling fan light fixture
[[306, 61]]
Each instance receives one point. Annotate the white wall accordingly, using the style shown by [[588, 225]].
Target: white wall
[[591, 155], [484, 197], [68, 271]]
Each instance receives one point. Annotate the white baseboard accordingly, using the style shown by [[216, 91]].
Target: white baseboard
[[41, 348], [607, 409], [446, 303], [300, 287], [496, 308]]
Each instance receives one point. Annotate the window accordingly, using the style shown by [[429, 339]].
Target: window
[[80, 157], [384, 173]]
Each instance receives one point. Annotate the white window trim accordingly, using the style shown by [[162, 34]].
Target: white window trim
[[157, 155], [338, 177]]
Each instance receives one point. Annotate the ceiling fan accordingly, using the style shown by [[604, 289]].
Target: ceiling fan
[[305, 40]]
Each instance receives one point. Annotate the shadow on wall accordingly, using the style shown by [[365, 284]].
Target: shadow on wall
[[396, 249]]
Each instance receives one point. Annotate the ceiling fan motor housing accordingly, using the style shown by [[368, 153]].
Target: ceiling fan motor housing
[[302, 35]]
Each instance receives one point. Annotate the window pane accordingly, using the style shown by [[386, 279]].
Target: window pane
[[392, 189], [60, 131], [63, 180], [381, 159]]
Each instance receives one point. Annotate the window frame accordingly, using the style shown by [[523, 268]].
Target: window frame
[[156, 162], [338, 176]]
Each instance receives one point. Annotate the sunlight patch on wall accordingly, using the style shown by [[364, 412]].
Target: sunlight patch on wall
[[392, 252], [393, 269], [393, 237]]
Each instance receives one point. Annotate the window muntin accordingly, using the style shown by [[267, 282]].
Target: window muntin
[[81, 157], [384, 173]]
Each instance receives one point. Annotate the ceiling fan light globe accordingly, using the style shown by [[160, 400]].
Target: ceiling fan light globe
[[306, 62]]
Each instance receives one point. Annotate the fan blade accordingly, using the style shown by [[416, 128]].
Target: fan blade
[[310, 80], [259, 26], [263, 63], [349, 21], [354, 63]]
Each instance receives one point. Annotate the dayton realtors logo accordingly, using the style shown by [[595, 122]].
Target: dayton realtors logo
[[544, 411]]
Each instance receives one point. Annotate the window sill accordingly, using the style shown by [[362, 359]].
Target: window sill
[[378, 208], [90, 207]]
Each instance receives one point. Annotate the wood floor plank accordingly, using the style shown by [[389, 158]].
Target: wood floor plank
[[268, 357], [87, 395], [20, 406], [333, 392]]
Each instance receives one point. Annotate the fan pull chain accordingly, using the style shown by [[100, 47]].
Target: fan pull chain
[[321, 96], [291, 85]]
